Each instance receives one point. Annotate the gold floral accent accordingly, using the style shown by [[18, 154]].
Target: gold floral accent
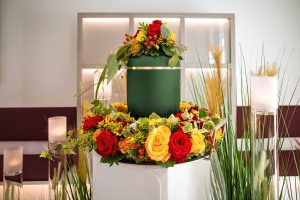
[[120, 107], [125, 145], [219, 135]]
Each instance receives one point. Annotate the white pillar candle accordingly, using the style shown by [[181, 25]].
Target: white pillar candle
[[264, 93], [57, 129], [13, 161], [105, 90]]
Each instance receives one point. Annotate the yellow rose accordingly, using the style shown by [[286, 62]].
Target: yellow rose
[[198, 142], [219, 135], [157, 144], [184, 105]]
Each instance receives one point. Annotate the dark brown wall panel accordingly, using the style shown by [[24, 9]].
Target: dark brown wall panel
[[290, 114], [34, 168], [31, 124]]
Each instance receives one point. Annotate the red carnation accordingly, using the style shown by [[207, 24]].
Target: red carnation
[[107, 143], [179, 146], [91, 122], [154, 28]]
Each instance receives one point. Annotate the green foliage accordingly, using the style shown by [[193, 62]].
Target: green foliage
[[187, 127], [112, 159], [154, 116], [203, 113], [169, 51], [112, 67], [169, 163], [99, 108], [186, 115], [174, 60], [165, 31], [209, 125], [48, 155]]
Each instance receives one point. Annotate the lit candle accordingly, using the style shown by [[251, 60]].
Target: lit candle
[[105, 90], [264, 93], [13, 161], [57, 129]]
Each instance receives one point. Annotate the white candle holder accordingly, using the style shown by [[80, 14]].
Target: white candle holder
[[13, 173], [264, 130], [264, 93], [57, 168]]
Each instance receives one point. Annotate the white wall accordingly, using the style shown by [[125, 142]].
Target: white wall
[[38, 40]]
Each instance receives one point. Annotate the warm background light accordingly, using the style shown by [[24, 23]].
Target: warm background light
[[13, 160], [57, 129]]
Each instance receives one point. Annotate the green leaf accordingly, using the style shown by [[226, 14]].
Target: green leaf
[[155, 53], [59, 147], [165, 32], [202, 113], [187, 128], [186, 115], [46, 154], [143, 123], [174, 128], [209, 125], [215, 120], [169, 163], [132, 153], [112, 159], [174, 60], [95, 103], [134, 125], [154, 116], [122, 51], [167, 50], [101, 80], [190, 156], [112, 67]]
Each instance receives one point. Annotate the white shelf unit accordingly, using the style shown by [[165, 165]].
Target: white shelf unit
[[101, 33]]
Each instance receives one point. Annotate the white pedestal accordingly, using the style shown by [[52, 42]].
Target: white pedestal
[[188, 181]]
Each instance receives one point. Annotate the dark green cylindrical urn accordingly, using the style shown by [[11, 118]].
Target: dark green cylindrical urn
[[152, 86]]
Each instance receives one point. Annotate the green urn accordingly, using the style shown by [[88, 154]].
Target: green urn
[[152, 86]]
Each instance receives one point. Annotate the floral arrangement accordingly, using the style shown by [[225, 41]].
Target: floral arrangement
[[116, 136], [151, 40]]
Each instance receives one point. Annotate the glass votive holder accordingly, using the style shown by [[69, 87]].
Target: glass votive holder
[[57, 132], [13, 173]]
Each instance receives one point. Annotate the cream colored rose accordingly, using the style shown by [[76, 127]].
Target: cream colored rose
[[157, 144], [198, 142]]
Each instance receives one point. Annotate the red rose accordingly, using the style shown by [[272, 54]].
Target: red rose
[[91, 122], [195, 117], [154, 28], [179, 146], [195, 108], [178, 115], [107, 143]]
